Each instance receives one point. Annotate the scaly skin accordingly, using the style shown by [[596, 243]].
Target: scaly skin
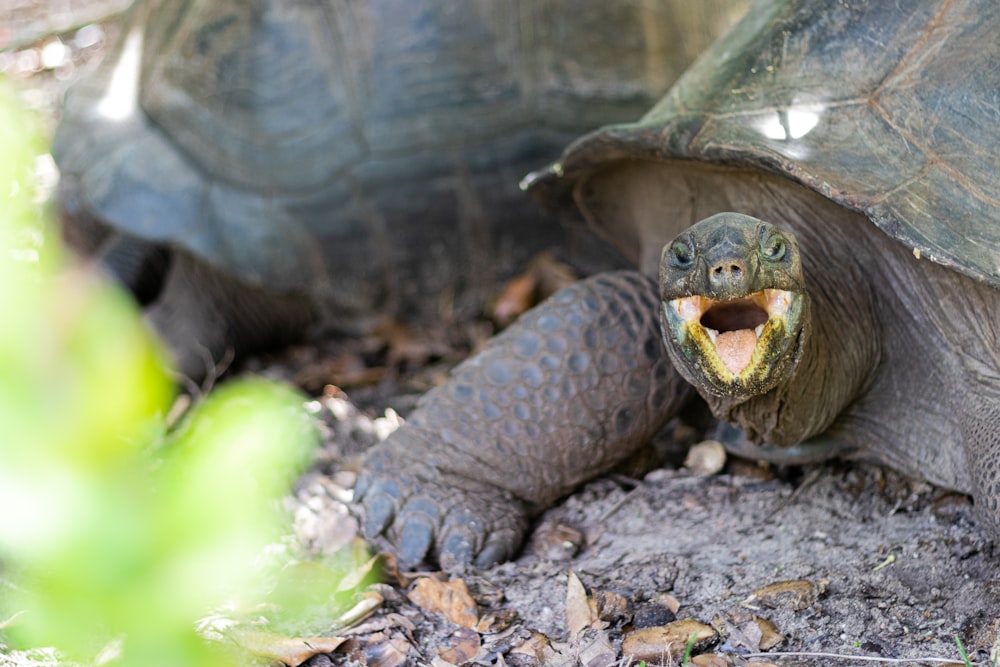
[[896, 361], [573, 388]]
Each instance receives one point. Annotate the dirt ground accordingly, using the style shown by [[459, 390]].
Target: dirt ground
[[857, 564], [838, 564]]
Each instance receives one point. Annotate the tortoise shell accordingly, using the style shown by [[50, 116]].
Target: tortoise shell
[[891, 109], [363, 150]]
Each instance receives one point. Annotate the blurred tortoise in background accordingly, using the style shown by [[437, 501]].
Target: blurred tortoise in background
[[840, 296], [250, 168]]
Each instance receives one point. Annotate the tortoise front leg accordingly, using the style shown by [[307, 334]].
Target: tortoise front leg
[[573, 388]]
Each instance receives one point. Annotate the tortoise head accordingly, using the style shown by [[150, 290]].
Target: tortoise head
[[733, 305]]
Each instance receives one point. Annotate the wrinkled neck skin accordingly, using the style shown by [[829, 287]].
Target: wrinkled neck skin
[[836, 355], [839, 348]]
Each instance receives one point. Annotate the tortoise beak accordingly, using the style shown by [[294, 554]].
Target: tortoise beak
[[735, 346]]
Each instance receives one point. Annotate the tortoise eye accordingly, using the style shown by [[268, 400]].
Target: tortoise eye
[[773, 246], [681, 254]]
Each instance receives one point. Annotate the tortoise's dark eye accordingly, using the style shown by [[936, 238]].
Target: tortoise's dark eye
[[773, 246], [681, 254]]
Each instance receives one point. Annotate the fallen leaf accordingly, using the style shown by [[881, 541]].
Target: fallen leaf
[[495, 622], [537, 647], [579, 611], [346, 369], [609, 606], [406, 347], [796, 594], [289, 650], [593, 649], [664, 642], [461, 646], [668, 601], [449, 598], [769, 635], [383, 651], [544, 276], [711, 660], [517, 295]]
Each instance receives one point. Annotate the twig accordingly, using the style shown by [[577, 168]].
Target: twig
[[859, 658]]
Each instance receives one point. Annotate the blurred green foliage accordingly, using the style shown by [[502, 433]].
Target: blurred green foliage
[[112, 527]]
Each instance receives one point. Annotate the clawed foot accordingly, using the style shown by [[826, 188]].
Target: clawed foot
[[426, 516]]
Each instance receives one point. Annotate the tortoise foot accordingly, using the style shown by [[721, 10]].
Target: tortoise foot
[[427, 516]]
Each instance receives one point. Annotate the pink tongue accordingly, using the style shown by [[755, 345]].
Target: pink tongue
[[735, 348]]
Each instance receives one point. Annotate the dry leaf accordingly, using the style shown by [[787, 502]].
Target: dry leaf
[[711, 660], [408, 348], [461, 646], [346, 369], [769, 635], [291, 651], [609, 606], [797, 594], [668, 601], [449, 598], [665, 641], [544, 276], [593, 649], [496, 622], [537, 647], [518, 295], [383, 651], [579, 611]]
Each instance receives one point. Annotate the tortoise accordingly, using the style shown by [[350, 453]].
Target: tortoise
[[814, 211], [250, 169]]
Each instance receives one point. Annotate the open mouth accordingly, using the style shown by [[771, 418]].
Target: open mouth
[[734, 338]]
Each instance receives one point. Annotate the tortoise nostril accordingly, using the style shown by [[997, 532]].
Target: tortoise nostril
[[734, 270]]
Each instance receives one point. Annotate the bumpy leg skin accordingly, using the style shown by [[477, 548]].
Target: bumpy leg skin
[[573, 388], [981, 428]]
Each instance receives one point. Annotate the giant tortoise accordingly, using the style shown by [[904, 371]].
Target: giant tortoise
[[839, 297], [247, 168]]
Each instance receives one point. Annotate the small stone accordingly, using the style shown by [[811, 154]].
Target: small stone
[[706, 458]]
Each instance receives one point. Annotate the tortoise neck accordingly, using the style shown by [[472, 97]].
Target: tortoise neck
[[838, 350]]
